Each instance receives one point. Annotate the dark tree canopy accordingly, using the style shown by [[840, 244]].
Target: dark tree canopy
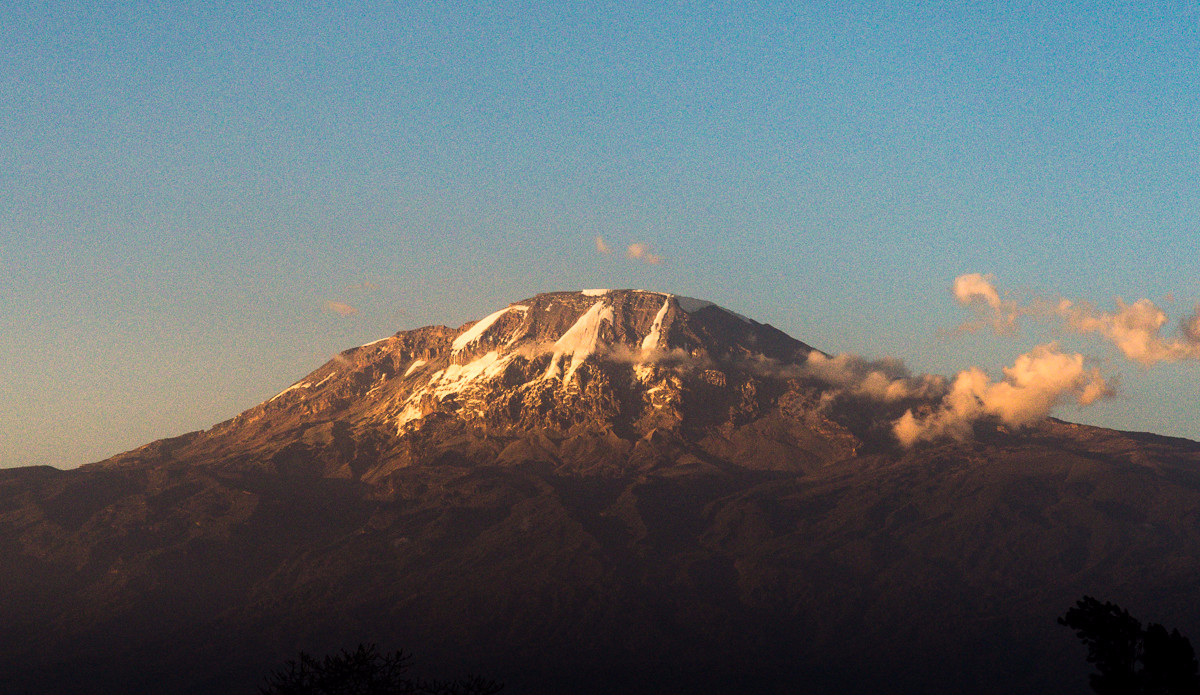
[[1131, 660], [1169, 662], [364, 671]]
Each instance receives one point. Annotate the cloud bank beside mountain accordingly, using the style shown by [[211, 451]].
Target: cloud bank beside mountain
[[1136, 329], [1035, 383], [1029, 390]]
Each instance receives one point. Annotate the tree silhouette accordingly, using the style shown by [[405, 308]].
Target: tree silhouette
[[364, 671], [1169, 663], [1130, 660]]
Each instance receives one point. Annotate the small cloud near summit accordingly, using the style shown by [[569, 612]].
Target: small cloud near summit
[[340, 308], [641, 252], [637, 251]]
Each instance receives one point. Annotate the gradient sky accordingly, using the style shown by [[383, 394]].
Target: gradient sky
[[199, 204]]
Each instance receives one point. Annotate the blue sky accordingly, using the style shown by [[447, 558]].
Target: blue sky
[[186, 189]]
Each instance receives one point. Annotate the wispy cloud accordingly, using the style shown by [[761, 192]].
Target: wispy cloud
[[637, 251], [340, 308], [642, 252], [886, 380], [978, 293], [1135, 329]]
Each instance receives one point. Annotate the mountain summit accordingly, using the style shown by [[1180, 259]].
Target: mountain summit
[[596, 492], [574, 379]]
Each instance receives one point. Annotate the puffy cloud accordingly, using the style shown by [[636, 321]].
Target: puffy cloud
[[602, 246], [1135, 329], [884, 380], [1037, 381], [927, 407], [340, 308], [642, 252]]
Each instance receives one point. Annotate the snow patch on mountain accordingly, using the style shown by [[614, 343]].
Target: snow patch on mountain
[[412, 411], [476, 332], [595, 293], [293, 387], [302, 385], [456, 377], [650, 342], [579, 342], [417, 364]]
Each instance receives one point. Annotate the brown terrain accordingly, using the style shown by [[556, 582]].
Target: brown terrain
[[593, 493]]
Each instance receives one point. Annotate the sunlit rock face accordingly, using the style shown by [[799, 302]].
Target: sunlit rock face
[[595, 492]]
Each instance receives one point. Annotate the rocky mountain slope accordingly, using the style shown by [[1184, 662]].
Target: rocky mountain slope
[[598, 491]]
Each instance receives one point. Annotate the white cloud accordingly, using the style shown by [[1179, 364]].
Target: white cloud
[[978, 292], [1037, 381], [640, 251], [1135, 329]]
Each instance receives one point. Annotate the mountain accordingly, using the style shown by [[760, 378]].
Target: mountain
[[574, 379], [598, 491]]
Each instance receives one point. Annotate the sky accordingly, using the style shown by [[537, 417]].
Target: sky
[[202, 202]]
